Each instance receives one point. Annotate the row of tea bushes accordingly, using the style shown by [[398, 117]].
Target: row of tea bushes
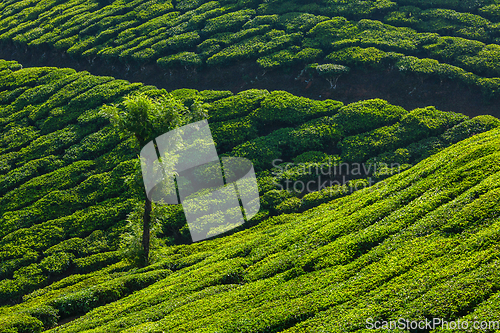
[[68, 186], [191, 34], [427, 235]]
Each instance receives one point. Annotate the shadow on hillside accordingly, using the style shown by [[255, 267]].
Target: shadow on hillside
[[407, 91]]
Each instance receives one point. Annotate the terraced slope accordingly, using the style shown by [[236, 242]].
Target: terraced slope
[[424, 244], [68, 183], [447, 39]]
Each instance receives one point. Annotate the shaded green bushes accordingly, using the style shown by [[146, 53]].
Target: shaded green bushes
[[295, 265], [419, 234], [418, 124], [193, 34], [281, 107]]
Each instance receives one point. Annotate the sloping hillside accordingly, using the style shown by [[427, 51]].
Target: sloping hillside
[[448, 39], [423, 244], [68, 183]]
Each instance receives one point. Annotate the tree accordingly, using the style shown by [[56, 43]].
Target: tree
[[331, 72], [146, 118]]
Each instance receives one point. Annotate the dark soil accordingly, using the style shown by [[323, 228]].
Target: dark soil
[[408, 91]]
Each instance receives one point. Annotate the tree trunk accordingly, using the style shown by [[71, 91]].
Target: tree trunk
[[145, 231]]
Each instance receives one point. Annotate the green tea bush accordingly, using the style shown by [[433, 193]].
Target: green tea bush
[[485, 61], [187, 59], [281, 58], [327, 32], [454, 48], [214, 95], [313, 156], [228, 22], [491, 11], [237, 106], [96, 261], [367, 115], [262, 151], [377, 34], [469, 128], [281, 107], [360, 147], [280, 42], [93, 145], [102, 94], [8, 96], [56, 263], [245, 49], [27, 77], [38, 187], [46, 314], [261, 20], [17, 137], [198, 21], [429, 121], [20, 323], [178, 42], [317, 198], [32, 169], [294, 22], [230, 133], [413, 126], [461, 24], [425, 148], [271, 199], [358, 56], [71, 246], [322, 133]]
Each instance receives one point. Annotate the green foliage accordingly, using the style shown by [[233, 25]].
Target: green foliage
[[230, 133], [187, 59], [430, 122], [195, 33], [367, 115], [46, 314], [327, 32], [331, 70], [419, 123], [284, 108], [293, 271], [147, 118], [21, 323], [228, 22], [272, 199], [376, 34], [96, 261], [178, 42], [239, 105], [454, 48], [245, 49], [56, 263], [469, 128], [358, 56], [281, 58], [491, 11], [213, 95], [485, 61]]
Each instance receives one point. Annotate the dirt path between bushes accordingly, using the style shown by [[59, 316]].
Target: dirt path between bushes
[[408, 91]]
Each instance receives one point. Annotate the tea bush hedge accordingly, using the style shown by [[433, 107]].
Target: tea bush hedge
[[199, 33], [67, 192], [326, 264]]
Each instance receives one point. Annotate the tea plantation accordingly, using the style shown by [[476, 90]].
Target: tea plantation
[[412, 236], [449, 39]]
